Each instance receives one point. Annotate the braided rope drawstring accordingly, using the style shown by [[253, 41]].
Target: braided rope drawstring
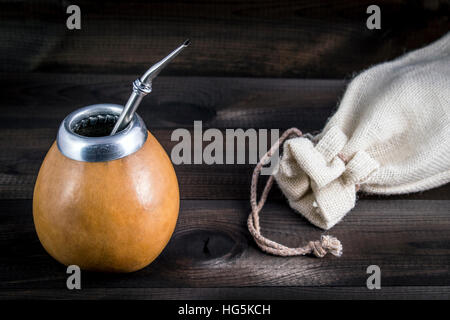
[[319, 248]]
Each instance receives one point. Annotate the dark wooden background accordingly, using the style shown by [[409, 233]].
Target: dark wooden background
[[258, 64]]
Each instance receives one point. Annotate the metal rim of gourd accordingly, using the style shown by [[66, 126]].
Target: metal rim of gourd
[[99, 148]]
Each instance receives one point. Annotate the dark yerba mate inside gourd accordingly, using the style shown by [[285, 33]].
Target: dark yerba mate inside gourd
[[96, 126]]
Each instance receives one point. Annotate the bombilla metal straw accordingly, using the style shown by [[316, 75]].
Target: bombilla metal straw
[[142, 87]]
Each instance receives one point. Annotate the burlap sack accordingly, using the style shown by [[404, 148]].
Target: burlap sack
[[390, 135]]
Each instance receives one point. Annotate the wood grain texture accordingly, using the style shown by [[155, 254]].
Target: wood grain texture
[[307, 39], [34, 105], [24, 150], [236, 293], [34, 108], [211, 247], [47, 71], [43, 100]]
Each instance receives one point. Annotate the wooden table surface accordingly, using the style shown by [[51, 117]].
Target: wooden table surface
[[230, 80]]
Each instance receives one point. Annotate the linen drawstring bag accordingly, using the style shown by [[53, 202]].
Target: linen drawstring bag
[[390, 135]]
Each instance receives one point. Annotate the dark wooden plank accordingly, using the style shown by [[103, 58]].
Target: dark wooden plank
[[24, 150], [308, 39], [43, 100], [250, 293], [34, 105], [211, 247]]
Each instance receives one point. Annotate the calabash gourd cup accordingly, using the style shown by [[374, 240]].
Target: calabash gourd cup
[[107, 202]]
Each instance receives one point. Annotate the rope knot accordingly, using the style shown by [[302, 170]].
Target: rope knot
[[332, 244], [326, 244], [317, 248]]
